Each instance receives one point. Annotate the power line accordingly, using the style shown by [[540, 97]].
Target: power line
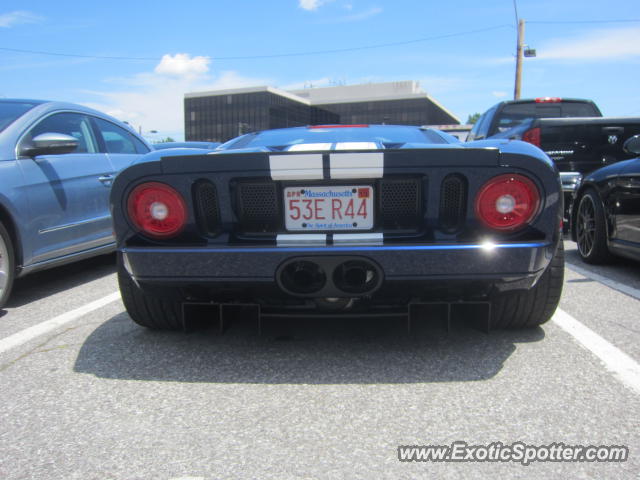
[[551, 22], [58, 54], [323, 52], [277, 55]]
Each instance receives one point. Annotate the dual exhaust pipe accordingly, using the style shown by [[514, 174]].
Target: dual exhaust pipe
[[329, 276]]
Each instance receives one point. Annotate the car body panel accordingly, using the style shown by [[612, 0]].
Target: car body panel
[[200, 145], [57, 205], [618, 188], [243, 261]]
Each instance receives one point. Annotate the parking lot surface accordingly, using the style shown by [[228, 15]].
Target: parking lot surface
[[87, 394]]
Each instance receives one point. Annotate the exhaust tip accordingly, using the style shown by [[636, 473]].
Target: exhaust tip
[[303, 277], [356, 277]]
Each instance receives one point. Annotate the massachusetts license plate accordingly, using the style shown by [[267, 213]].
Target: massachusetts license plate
[[344, 207]]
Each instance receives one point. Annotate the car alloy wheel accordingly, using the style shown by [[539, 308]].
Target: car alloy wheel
[[7, 265], [586, 226]]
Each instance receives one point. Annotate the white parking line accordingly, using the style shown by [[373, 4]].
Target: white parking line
[[40, 329], [621, 287], [625, 368]]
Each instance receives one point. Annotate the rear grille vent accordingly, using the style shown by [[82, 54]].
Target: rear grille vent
[[258, 206], [206, 206], [400, 203], [453, 203]]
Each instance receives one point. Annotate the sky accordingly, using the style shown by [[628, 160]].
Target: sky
[[136, 59]]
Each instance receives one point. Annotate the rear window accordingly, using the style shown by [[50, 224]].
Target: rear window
[[288, 137], [517, 113], [11, 111]]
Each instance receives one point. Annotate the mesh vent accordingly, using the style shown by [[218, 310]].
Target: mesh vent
[[206, 204], [400, 203], [258, 206], [453, 203]]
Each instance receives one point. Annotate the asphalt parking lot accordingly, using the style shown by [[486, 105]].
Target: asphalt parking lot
[[87, 394]]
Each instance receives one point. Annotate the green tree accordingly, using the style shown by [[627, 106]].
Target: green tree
[[473, 118]]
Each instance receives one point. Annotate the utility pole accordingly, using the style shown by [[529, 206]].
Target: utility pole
[[519, 55]]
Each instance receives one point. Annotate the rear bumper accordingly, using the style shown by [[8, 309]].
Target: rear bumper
[[506, 263]]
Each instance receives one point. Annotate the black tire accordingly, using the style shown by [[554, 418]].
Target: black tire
[[591, 229], [7, 265], [533, 307], [155, 312]]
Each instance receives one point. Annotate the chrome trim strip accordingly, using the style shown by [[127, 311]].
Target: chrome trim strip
[[95, 251], [77, 224]]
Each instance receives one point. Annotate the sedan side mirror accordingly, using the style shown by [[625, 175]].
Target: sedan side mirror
[[632, 145], [49, 144]]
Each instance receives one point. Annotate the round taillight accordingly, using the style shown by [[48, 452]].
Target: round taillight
[[507, 202], [157, 210]]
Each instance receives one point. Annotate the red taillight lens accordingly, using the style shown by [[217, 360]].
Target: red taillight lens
[[157, 210], [507, 202], [532, 136]]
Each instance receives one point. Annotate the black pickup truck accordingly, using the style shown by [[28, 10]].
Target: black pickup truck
[[571, 131]]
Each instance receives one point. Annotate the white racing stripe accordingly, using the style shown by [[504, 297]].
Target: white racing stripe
[[621, 287], [625, 368], [30, 333], [357, 165], [303, 166]]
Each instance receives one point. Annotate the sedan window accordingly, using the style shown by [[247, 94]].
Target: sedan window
[[73, 124], [11, 111], [118, 140]]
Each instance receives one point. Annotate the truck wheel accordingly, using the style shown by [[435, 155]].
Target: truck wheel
[[533, 307], [591, 229], [7, 265], [147, 310]]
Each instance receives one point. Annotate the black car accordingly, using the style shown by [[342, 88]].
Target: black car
[[606, 210], [203, 145], [341, 220]]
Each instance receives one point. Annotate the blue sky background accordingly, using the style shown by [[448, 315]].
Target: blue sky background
[[461, 52]]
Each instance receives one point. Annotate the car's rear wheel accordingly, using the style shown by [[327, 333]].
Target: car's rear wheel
[[533, 307], [155, 312], [591, 229], [7, 265]]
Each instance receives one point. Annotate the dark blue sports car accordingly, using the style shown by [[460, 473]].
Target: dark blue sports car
[[342, 220]]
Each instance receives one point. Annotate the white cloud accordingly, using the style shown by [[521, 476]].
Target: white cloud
[[311, 4], [499, 94], [357, 17], [18, 17], [604, 44], [183, 65], [155, 100]]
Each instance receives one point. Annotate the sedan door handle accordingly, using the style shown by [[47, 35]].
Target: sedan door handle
[[106, 179]]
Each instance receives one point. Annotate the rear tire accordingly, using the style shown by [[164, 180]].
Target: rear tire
[[533, 307], [7, 265], [158, 313]]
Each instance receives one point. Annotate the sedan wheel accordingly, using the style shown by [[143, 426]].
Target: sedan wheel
[[7, 265]]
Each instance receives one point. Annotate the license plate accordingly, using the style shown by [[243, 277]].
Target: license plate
[[344, 207]]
